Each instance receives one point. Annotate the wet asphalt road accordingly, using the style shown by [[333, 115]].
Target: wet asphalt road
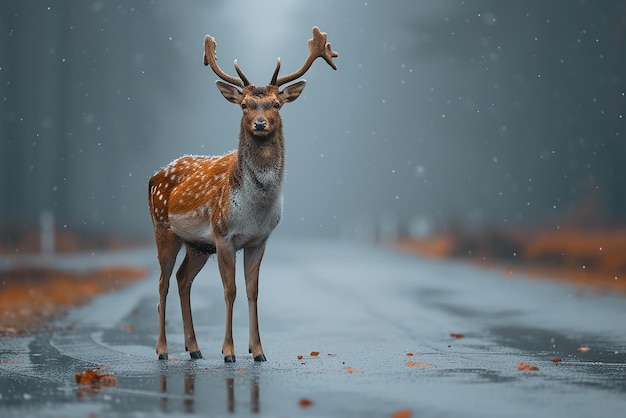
[[363, 308]]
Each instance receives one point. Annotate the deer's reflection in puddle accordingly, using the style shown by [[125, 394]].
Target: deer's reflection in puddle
[[230, 395], [211, 390]]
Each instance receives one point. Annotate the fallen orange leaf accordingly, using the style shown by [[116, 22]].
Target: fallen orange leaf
[[402, 413], [453, 335], [410, 354], [315, 353], [414, 364], [95, 379], [108, 380], [299, 356], [584, 349], [305, 403], [556, 360], [525, 366], [350, 370]]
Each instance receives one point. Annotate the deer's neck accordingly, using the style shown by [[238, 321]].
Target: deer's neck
[[261, 163]]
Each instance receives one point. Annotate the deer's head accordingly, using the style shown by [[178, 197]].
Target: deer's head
[[261, 105]]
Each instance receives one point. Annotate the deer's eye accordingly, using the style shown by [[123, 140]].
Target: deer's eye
[[276, 105], [244, 106]]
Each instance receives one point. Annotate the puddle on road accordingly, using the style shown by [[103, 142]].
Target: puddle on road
[[545, 341], [585, 360]]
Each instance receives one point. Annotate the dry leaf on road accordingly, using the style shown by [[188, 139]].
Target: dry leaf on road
[[525, 366], [414, 364]]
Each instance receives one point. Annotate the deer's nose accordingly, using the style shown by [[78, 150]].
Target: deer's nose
[[260, 124]]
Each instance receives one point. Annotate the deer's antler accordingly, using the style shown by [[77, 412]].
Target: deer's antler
[[318, 47], [210, 58]]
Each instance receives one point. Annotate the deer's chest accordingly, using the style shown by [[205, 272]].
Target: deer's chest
[[251, 217]]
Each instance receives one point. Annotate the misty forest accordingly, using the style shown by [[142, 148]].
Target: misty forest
[[441, 113]]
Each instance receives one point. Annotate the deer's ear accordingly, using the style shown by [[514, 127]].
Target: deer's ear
[[292, 92], [230, 93]]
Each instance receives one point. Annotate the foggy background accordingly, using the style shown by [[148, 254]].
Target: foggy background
[[478, 112]]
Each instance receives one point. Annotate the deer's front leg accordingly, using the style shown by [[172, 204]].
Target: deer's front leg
[[252, 257], [226, 264]]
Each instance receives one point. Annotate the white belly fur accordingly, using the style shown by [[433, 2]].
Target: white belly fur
[[192, 228]]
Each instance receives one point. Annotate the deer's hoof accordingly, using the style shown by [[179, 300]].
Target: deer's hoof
[[163, 356], [260, 357], [230, 358], [195, 355]]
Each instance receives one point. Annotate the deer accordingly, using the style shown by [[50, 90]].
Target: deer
[[219, 205]]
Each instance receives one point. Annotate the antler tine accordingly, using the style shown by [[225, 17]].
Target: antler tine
[[244, 79], [318, 47], [210, 58], [275, 75]]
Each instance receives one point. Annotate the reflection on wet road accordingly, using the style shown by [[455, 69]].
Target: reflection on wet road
[[363, 308], [188, 400]]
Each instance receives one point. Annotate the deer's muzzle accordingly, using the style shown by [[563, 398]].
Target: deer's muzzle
[[260, 125]]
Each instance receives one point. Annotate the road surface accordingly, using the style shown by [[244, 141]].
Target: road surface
[[363, 308]]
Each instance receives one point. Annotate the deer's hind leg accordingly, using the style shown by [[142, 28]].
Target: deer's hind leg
[[168, 245], [191, 265]]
